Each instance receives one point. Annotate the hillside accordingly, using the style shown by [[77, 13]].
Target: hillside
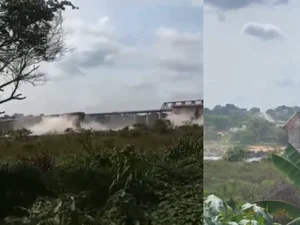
[[229, 124]]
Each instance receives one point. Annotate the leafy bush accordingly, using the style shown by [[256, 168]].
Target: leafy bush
[[20, 185], [42, 160], [235, 154], [217, 212], [106, 181], [288, 164], [180, 207], [244, 137], [186, 146], [47, 211]]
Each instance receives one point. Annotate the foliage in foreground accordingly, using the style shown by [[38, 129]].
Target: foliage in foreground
[[288, 164], [288, 212], [217, 212], [106, 186]]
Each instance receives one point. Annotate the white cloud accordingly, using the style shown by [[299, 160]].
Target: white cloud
[[179, 52], [247, 71], [266, 32], [104, 73], [239, 4]]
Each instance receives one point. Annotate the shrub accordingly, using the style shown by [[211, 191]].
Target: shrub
[[47, 211], [42, 160], [20, 185], [235, 154], [217, 212], [109, 177], [186, 146]]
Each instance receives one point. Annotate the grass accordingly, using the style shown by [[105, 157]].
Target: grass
[[216, 144], [247, 182], [142, 176]]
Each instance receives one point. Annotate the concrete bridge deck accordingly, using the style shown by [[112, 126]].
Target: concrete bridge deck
[[178, 107]]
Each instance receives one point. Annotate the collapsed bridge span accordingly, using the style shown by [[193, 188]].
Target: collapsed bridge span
[[112, 120]]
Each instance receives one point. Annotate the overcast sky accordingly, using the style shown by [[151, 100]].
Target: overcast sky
[[252, 52], [129, 55]]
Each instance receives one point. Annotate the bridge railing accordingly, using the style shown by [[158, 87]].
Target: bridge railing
[[169, 105]]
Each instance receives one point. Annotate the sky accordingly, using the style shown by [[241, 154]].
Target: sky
[[128, 55], [251, 53]]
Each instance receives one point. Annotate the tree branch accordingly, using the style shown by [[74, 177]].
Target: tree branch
[[25, 43]]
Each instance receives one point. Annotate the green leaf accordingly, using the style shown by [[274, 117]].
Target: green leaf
[[274, 206], [292, 154], [287, 168], [258, 211], [215, 205]]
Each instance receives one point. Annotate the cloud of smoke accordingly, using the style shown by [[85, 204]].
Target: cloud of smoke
[[93, 125], [267, 117], [58, 125], [52, 125], [184, 119]]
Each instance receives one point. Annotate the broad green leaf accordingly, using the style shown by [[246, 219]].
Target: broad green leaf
[[208, 218], [215, 205], [287, 168], [257, 210], [273, 206], [292, 154]]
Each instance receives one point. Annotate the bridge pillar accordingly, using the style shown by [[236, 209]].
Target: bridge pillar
[[160, 115], [147, 119]]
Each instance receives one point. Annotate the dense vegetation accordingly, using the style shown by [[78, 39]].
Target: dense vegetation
[[218, 212], [258, 183], [139, 176], [246, 126]]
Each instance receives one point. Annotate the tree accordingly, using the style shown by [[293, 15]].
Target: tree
[[271, 112], [235, 154], [260, 127], [30, 33], [211, 135], [220, 122], [245, 137], [254, 110], [230, 106]]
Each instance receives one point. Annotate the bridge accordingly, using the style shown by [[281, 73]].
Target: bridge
[[166, 107], [114, 119]]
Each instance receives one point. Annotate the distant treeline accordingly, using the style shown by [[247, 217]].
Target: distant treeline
[[279, 113], [247, 126]]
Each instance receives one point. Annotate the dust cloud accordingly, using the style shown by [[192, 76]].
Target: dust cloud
[[58, 125], [267, 117], [184, 119], [51, 125]]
